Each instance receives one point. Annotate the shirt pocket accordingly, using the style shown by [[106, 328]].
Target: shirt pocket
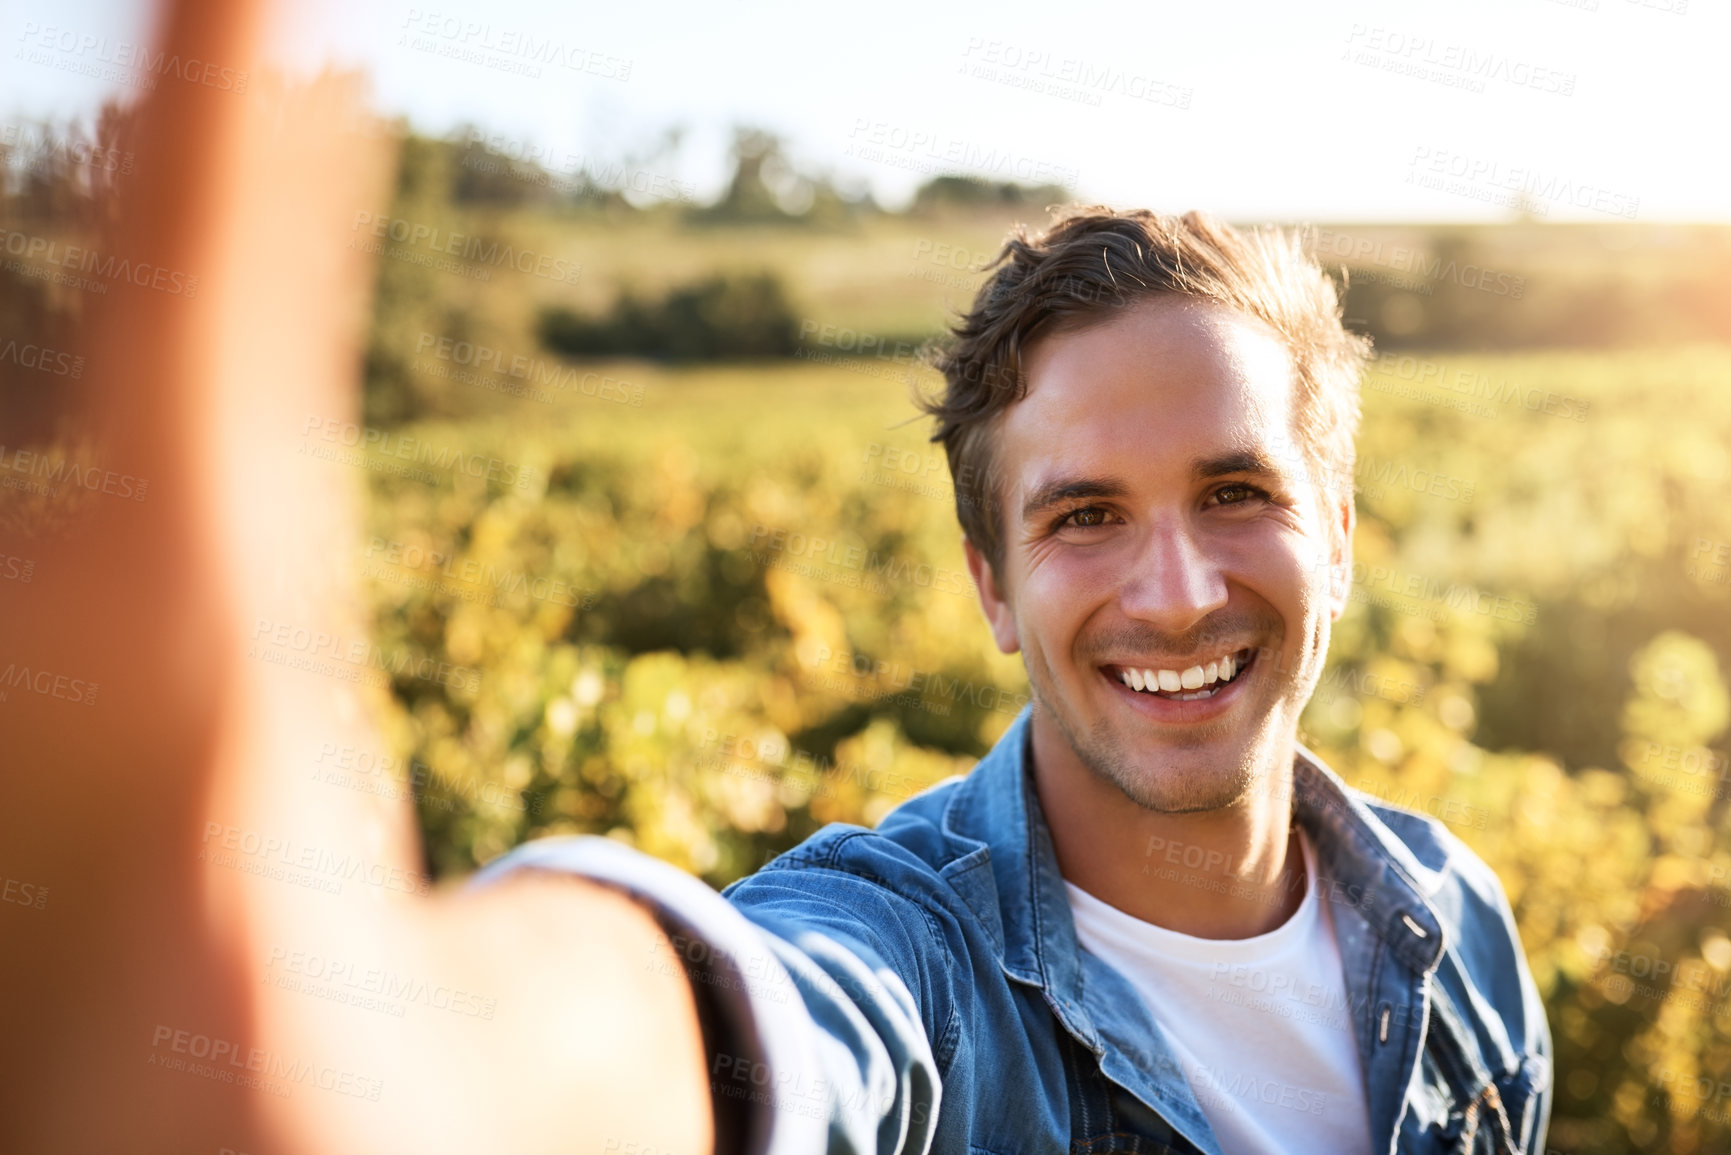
[[1492, 1121], [1519, 1092]]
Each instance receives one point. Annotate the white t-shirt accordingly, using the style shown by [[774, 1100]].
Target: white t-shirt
[[1261, 1026]]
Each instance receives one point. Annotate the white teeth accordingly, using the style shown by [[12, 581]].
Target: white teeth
[[1221, 671]]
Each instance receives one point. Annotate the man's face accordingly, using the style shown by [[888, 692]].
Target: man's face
[[1157, 517]]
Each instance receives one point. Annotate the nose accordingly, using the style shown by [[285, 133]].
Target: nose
[[1175, 582]]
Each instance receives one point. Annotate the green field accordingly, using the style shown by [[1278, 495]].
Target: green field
[[708, 607], [773, 630]]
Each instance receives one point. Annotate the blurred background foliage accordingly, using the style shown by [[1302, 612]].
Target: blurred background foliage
[[728, 604]]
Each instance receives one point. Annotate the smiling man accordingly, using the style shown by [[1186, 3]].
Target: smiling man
[[1149, 920], [1161, 580]]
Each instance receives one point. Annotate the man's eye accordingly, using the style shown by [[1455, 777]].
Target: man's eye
[[1237, 493], [1088, 517]]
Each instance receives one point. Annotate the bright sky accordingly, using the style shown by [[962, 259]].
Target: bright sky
[[1255, 109]]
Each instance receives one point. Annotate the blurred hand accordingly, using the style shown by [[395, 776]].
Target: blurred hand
[[216, 916]]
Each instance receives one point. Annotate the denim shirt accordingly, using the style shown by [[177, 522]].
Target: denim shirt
[[919, 987]]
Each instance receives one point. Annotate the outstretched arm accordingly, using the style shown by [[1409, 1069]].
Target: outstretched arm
[[161, 998]]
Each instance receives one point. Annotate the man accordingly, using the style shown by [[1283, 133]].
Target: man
[[1148, 920], [1000, 967]]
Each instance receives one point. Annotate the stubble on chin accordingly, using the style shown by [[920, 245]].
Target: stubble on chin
[[1138, 775], [1182, 783], [1177, 779]]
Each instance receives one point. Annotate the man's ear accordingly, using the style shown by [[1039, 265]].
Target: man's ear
[[992, 599], [1345, 516]]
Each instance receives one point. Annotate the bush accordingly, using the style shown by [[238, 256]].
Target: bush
[[966, 192], [719, 318]]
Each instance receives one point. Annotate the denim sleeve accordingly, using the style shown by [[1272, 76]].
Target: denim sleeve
[[1539, 1070], [1488, 978], [826, 1044]]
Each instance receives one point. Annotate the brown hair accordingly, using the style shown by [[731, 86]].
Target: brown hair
[[1093, 260]]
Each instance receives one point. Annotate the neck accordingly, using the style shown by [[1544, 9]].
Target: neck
[[1229, 873]]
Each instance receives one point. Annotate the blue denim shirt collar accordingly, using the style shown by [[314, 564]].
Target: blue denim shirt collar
[[1381, 905]]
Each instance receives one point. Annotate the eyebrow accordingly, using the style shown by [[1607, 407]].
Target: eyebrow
[[1064, 489], [1238, 461]]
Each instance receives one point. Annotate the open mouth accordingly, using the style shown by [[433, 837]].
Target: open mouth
[[1190, 684]]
